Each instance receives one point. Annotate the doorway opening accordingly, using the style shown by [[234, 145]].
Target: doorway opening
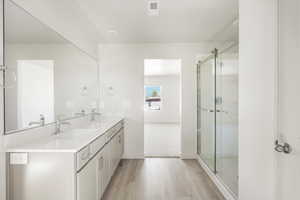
[[162, 107], [34, 77]]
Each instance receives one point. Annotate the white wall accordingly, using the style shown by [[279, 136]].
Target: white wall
[[122, 67], [170, 94], [64, 17], [257, 67]]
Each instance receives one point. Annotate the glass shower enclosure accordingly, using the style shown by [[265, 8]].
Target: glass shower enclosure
[[217, 111]]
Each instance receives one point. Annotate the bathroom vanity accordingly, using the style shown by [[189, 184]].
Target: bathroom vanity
[[49, 82], [74, 165]]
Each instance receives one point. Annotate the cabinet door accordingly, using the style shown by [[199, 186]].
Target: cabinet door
[[115, 150], [100, 174], [122, 142], [106, 170], [118, 147], [113, 155], [87, 182]]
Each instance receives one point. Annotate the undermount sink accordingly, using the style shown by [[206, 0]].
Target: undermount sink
[[71, 136], [75, 133], [83, 130], [70, 140]]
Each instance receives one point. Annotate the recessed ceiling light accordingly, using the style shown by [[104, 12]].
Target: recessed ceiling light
[[153, 8]]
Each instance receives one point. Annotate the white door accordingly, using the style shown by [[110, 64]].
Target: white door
[[288, 165], [35, 91]]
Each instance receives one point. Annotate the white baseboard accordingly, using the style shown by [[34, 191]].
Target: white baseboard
[[175, 123], [223, 189], [161, 155], [188, 156], [133, 157]]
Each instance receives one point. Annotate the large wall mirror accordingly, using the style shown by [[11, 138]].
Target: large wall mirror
[[46, 76]]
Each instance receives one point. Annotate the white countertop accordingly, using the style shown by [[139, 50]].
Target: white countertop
[[70, 141]]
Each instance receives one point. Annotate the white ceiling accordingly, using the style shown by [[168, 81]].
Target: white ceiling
[[162, 67], [121, 21], [127, 21]]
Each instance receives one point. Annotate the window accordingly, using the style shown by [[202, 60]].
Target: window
[[152, 98]]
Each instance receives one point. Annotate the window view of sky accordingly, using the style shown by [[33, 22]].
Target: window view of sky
[[152, 98], [152, 91]]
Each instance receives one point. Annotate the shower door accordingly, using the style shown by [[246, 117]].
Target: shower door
[[227, 118], [206, 112], [218, 115]]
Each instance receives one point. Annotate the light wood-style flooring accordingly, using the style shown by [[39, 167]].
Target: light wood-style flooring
[[161, 179]]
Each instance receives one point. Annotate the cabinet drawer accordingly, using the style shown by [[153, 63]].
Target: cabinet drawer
[[83, 157], [97, 145], [111, 132], [118, 126]]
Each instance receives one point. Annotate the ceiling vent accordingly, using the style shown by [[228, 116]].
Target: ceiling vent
[[153, 8]]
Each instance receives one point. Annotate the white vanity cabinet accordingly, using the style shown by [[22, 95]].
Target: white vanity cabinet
[[82, 174], [94, 177], [112, 155], [116, 146]]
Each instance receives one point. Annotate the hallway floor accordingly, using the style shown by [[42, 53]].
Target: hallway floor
[[162, 140], [161, 179]]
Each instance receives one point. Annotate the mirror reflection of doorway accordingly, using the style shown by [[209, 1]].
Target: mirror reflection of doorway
[[35, 91], [162, 103]]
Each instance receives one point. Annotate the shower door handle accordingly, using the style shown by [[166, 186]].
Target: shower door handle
[[207, 110], [211, 110]]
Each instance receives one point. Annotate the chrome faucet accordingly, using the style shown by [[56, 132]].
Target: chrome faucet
[[93, 114], [58, 124], [40, 123], [82, 113]]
